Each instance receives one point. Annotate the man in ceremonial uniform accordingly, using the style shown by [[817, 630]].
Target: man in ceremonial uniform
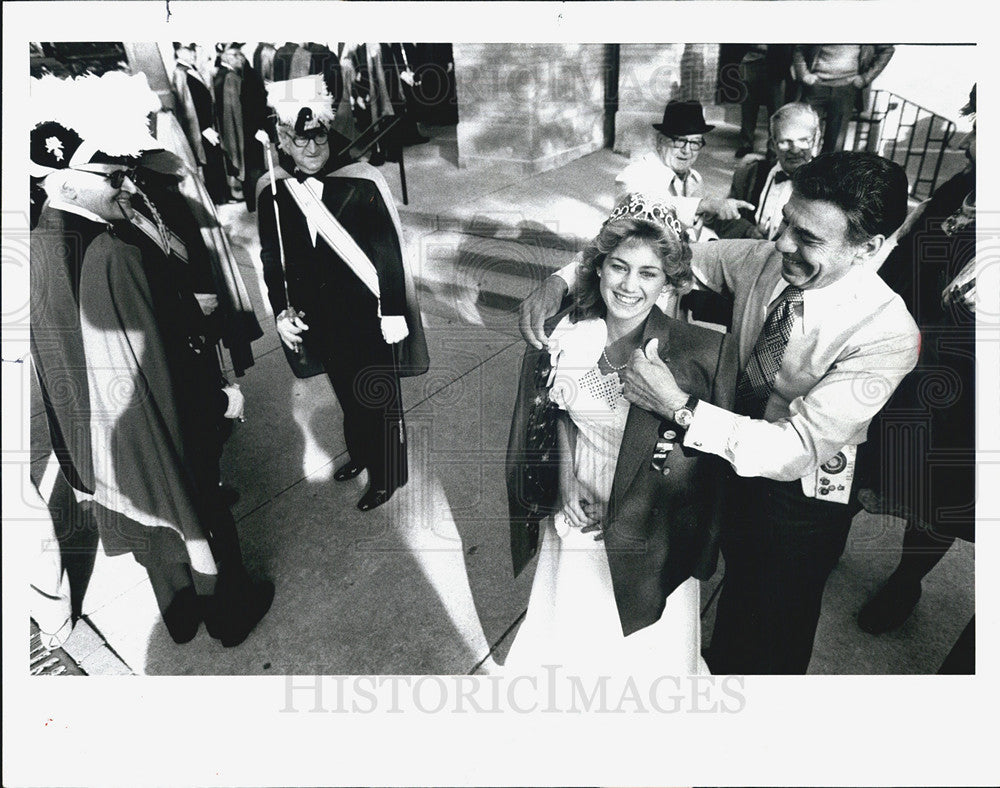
[[337, 279], [115, 350], [196, 113]]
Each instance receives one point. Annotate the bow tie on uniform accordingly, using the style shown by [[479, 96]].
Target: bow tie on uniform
[[781, 176], [302, 177]]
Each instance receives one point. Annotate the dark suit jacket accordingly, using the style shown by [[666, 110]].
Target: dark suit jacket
[[661, 529], [748, 184], [338, 306]]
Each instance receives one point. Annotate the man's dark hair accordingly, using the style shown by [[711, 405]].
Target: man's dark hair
[[870, 189], [970, 107]]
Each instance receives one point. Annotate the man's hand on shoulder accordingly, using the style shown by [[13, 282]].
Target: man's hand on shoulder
[[538, 307], [649, 383]]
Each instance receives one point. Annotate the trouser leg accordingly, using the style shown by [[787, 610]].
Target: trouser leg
[[214, 171], [176, 596], [751, 75], [779, 548], [923, 548], [961, 660], [839, 108], [365, 380]]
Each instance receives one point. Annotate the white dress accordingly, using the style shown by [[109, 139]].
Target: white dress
[[572, 618]]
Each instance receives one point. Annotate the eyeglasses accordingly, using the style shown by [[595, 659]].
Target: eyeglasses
[[803, 143], [301, 142], [116, 178], [679, 143]]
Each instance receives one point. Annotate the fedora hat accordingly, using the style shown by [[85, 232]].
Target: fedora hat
[[683, 117]]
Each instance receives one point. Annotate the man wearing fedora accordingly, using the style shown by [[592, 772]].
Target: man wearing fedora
[[669, 172]]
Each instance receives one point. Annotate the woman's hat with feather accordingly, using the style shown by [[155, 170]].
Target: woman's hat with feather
[[89, 120]]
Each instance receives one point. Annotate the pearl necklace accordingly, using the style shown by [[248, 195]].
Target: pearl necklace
[[604, 355]]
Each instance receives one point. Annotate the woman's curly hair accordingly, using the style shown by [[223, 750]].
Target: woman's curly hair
[[674, 254]]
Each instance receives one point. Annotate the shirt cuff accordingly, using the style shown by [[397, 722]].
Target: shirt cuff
[[710, 429]]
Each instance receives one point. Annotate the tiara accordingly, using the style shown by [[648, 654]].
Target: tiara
[[639, 206]]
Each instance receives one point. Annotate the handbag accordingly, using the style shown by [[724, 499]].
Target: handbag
[[538, 469]]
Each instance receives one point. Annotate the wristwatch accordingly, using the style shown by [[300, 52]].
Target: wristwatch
[[684, 415]]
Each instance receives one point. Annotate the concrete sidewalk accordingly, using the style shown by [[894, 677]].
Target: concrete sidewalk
[[424, 584]]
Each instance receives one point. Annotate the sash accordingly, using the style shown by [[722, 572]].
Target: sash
[[335, 235], [177, 246], [414, 359]]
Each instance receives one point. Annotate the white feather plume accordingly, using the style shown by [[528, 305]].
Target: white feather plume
[[288, 97], [51, 100], [110, 112]]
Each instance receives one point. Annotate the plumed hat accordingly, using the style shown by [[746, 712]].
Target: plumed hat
[[303, 103], [89, 119]]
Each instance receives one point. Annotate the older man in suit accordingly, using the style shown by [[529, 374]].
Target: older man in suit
[[113, 326], [766, 181]]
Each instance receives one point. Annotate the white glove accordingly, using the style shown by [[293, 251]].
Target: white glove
[[235, 408], [208, 302], [394, 328], [289, 324], [211, 135]]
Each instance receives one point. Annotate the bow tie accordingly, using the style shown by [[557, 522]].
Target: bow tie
[[781, 176]]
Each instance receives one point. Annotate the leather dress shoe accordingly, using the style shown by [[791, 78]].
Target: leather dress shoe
[[237, 606], [374, 498], [183, 616], [890, 607], [348, 470]]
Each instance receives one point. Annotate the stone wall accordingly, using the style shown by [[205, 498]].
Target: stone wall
[[530, 106], [650, 75]]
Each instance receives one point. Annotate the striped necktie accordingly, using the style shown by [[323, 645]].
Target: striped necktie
[[755, 384]]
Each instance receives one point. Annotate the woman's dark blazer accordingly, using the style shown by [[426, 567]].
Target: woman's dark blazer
[[661, 529]]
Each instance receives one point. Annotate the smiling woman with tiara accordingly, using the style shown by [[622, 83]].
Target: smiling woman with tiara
[[616, 585]]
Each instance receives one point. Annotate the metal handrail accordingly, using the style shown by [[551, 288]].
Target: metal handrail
[[891, 121]]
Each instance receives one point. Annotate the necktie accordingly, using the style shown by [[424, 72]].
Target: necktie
[[755, 384], [781, 176]]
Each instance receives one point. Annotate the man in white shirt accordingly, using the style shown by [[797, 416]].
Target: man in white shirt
[[669, 174], [823, 344], [679, 140]]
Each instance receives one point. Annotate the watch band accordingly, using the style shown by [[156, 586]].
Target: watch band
[[683, 416]]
